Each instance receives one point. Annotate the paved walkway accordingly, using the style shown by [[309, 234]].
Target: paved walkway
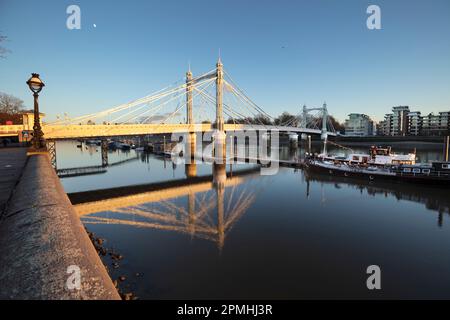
[[12, 161], [42, 239]]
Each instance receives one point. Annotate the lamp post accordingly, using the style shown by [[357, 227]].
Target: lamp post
[[36, 85]]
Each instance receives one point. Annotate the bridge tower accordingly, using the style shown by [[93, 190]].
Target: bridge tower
[[219, 133], [324, 121], [324, 134], [219, 96], [303, 122], [189, 87], [304, 116], [191, 138]]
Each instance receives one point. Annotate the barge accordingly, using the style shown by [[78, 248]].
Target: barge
[[436, 173], [381, 164], [377, 156]]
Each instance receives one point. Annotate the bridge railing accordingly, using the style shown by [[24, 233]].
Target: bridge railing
[[101, 130]]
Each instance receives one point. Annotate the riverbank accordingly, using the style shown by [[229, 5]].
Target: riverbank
[[400, 142], [43, 242]]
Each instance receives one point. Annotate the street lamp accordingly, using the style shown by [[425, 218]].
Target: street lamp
[[36, 85]]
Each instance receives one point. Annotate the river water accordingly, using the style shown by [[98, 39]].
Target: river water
[[220, 231]]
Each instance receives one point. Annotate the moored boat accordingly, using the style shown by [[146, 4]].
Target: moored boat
[[114, 145], [95, 142], [377, 156], [434, 173]]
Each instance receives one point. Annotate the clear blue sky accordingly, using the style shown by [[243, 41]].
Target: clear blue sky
[[283, 53]]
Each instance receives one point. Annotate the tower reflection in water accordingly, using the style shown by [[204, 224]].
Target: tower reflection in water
[[206, 208]]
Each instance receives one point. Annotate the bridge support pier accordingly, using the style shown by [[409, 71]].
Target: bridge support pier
[[51, 148], [104, 147], [306, 145], [309, 143], [220, 146], [191, 170], [191, 146], [293, 140]]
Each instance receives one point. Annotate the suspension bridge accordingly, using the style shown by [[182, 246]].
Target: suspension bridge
[[216, 96]]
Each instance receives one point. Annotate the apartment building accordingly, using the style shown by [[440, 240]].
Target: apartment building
[[358, 125], [403, 122]]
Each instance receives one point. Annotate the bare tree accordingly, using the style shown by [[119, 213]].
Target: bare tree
[[286, 118], [10, 104]]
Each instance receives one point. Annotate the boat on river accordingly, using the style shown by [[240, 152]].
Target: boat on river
[[381, 164], [377, 156], [93, 142], [114, 145], [437, 173]]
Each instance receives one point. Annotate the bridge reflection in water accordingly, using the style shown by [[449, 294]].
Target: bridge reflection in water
[[207, 207], [207, 233], [203, 207]]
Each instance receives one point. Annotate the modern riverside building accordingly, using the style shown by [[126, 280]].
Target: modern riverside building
[[358, 125], [403, 122], [379, 131], [436, 124], [399, 124], [445, 120], [385, 126], [415, 122]]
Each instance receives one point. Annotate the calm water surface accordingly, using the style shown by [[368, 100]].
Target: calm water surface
[[243, 235]]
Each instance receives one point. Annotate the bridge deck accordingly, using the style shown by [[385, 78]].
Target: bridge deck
[[54, 132]]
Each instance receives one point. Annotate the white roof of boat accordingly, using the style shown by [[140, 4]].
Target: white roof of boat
[[359, 154]]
